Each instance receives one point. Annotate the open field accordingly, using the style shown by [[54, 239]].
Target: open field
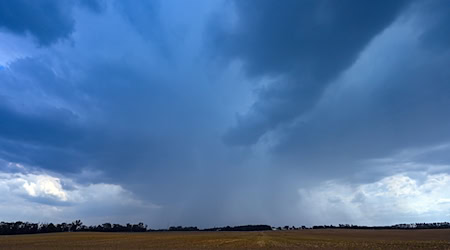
[[302, 239]]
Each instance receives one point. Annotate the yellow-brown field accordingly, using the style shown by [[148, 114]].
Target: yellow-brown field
[[302, 239]]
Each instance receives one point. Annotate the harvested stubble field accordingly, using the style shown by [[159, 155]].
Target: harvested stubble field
[[301, 239]]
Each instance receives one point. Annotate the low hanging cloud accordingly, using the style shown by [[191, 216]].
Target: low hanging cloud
[[392, 200], [408, 186], [45, 197]]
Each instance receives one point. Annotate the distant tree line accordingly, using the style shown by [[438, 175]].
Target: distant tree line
[[19, 227], [241, 228], [435, 225], [227, 228], [180, 228]]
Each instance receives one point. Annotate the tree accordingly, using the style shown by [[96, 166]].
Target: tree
[[76, 225]]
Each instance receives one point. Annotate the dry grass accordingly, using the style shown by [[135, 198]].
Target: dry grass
[[303, 239]]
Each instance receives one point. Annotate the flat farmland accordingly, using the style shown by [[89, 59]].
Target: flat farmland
[[299, 239]]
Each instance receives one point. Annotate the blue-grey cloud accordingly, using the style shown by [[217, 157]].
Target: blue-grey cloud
[[126, 111], [306, 44], [374, 112], [438, 21], [145, 93], [48, 21]]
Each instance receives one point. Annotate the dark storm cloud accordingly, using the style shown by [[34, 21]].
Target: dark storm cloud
[[29, 88], [40, 124], [55, 127], [306, 44], [407, 111], [374, 111], [55, 136], [47, 20], [137, 128], [136, 116], [136, 101]]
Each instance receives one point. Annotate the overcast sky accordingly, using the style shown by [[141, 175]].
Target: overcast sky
[[221, 112]]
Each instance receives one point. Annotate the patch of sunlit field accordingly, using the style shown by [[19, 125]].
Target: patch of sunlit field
[[299, 239]]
